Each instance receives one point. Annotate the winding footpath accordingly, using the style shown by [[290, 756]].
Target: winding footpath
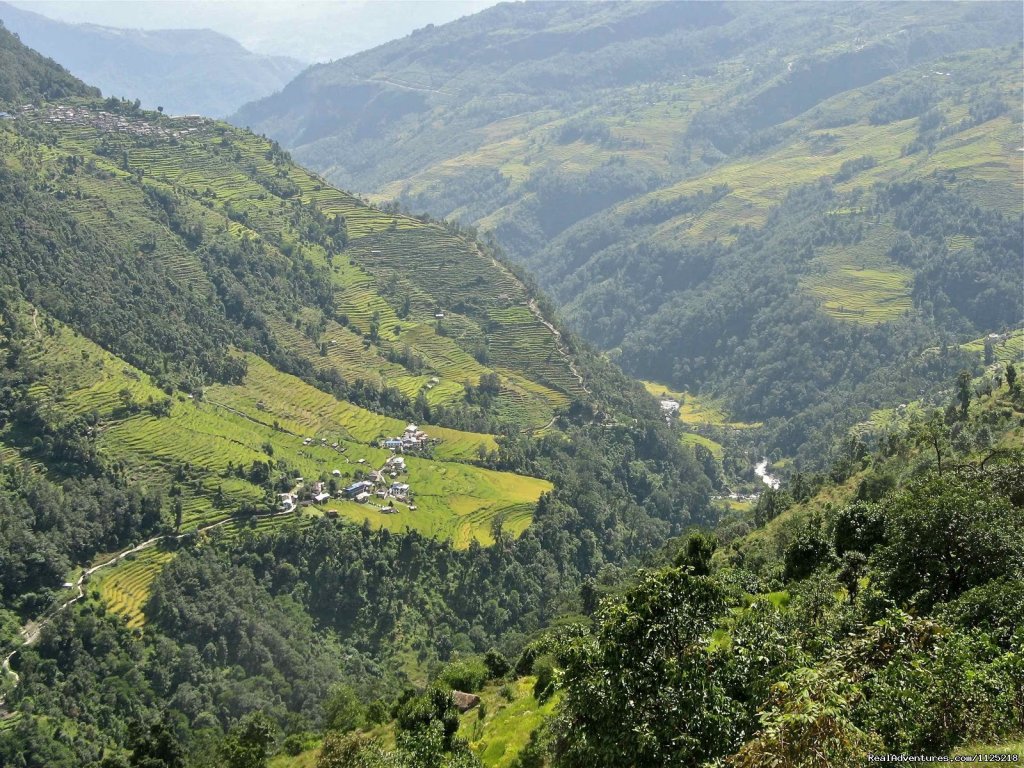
[[532, 304], [33, 628]]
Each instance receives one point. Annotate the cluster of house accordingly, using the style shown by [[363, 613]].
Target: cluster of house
[[381, 484], [323, 442], [412, 439], [287, 502], [108, 121]]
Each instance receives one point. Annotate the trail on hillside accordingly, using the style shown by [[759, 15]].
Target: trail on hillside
[[32, 629], [532, 304], [406, 86]]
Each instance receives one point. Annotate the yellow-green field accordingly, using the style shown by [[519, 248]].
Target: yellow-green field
[[226, 180], [697, 409], [124, 587], [692, 438], [1007, 349], [859, 283]]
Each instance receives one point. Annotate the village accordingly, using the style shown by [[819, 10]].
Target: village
[[381, 488], [167, 128]]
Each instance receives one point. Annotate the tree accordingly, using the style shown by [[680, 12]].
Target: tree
[[770, 505], [945, 535], [434, 707], [697, 553], [853, 566], [642, 692], [807, 552], [343, 711], [963, 392], [590, 598], [157, 746], [859, 527], [1011, 377], [497, 664], [352, 750], [934, 434], [248, 743]]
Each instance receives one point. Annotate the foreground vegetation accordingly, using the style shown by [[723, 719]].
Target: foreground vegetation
[[875, 610]]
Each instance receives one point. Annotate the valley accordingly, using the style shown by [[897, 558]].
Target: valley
[[640, 196], [299, 477]]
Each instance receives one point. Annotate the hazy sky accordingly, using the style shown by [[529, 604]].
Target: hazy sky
[[311, 30]]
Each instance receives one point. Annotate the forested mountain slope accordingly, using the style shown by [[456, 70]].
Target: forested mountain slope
[[871, 608], [185, 71], [195, 333], [782, 205]]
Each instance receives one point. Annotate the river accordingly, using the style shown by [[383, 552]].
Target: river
[[761, 470]]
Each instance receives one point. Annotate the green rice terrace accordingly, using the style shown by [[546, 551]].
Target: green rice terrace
[[270, 414], [416, 307]]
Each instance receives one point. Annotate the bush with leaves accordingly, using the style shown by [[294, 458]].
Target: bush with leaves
[[807, 725], [946, 534]]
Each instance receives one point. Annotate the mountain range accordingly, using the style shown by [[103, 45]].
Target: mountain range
[[184, 71], [713, 193]]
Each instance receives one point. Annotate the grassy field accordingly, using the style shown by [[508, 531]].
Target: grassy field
[[1014, 746], [498, 737], [697, 409], [692, 438], [511, 714]]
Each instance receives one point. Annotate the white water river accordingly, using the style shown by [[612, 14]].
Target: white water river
[[761, 470]]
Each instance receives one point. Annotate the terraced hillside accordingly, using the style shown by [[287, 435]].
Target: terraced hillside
[[270, 323], [205, 448], [414, 306]]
